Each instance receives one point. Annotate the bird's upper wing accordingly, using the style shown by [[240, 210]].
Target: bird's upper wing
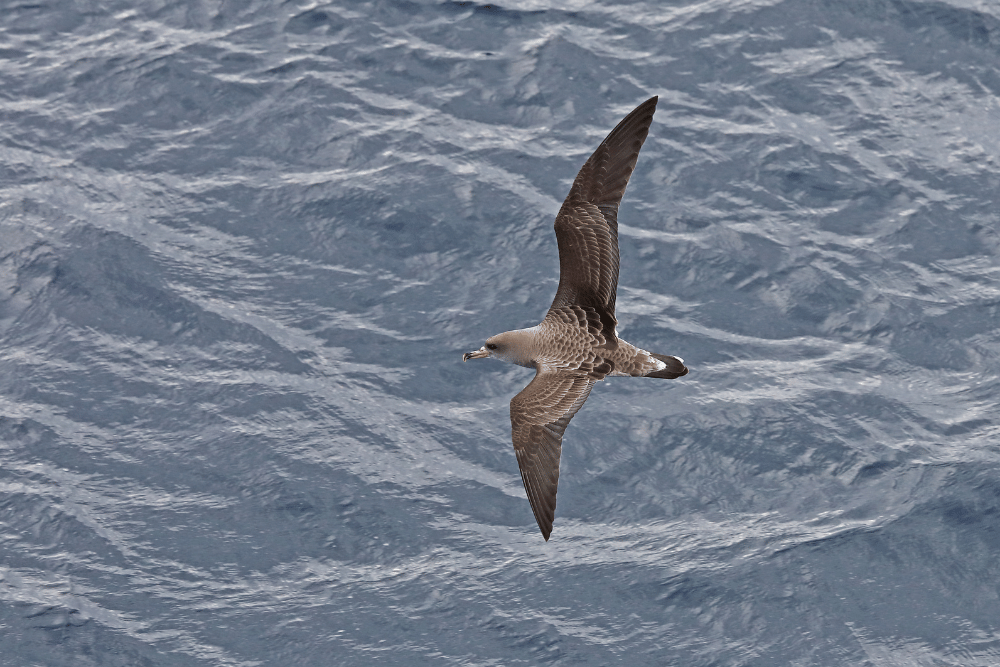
[[538, 417], [587, 223]]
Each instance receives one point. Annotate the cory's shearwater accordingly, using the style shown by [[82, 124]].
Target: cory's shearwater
[[577, 344]]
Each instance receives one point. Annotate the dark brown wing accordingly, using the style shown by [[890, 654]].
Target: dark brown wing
[[587, 223], [538, 417]]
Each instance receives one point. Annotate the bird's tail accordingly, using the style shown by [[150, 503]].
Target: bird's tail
[[675, 367]]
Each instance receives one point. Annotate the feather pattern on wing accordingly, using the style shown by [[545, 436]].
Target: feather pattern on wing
[[587, 224], [538, 416]]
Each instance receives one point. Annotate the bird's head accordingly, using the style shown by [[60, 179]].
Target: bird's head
[[512, 346], [490, 349]]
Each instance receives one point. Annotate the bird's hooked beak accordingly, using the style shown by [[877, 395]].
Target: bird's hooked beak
[[478, 354]]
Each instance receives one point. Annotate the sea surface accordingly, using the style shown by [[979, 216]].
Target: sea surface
[[243, 246]]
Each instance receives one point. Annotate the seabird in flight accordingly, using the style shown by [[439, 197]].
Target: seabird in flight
[[577, 344]]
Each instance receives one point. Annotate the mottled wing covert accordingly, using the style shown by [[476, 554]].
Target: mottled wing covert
[[538, 417]]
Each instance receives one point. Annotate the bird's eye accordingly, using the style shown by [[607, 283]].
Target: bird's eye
[[490, 346]]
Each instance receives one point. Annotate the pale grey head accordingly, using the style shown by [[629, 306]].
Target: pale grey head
[[516, 347]]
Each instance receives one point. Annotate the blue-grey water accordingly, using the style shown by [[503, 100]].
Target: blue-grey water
[[243, 246]]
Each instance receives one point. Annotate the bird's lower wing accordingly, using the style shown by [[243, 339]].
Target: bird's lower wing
[[538, 416]]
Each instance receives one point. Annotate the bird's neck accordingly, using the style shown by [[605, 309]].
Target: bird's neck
[[524, 342]]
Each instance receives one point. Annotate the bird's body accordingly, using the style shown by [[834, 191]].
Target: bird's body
[[577, 343]]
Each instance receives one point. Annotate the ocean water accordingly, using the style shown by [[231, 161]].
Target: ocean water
[[243, 246]]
